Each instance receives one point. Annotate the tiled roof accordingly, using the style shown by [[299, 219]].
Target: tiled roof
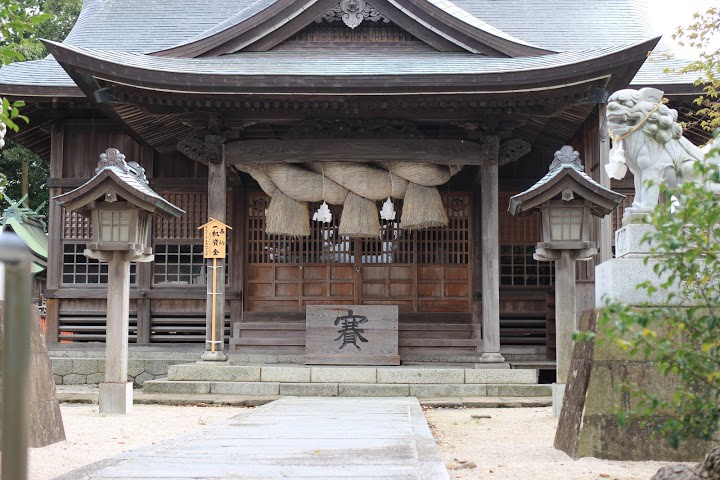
[[141, 26], [565, 24]]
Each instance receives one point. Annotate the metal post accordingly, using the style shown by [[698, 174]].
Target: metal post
[[16, 356]]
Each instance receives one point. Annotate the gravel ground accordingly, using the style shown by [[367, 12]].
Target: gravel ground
[[92, 436], [517, 443], [513, 443]]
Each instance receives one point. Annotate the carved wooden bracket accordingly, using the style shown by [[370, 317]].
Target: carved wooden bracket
[[209, 150], [512, 150]]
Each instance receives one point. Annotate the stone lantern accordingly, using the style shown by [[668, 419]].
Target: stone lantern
[[567, 200], [120, 203]]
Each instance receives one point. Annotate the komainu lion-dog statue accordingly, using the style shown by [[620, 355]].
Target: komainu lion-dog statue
[[648, 140]]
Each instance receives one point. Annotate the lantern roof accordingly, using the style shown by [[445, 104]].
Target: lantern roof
[[566, 179], [117, 179]]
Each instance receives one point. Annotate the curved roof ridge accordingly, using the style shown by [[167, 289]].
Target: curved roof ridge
[[245, 13], [451, 8]]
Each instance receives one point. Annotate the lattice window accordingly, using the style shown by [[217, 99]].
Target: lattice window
[[178, 242], [181, 264], [81, 270], [263, 248], [395, 245], [76, 226], [186, 226], [448, 245], [324, 245], [514, 230], [519, 268]]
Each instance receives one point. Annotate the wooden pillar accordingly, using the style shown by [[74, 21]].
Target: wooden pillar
[[217, 206], [144, 271], [55, 227], [237, 259], [476, 262], [116, 391], [605, 234], [490, 250]]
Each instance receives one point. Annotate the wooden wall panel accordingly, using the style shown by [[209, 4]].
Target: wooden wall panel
[[84, 142]]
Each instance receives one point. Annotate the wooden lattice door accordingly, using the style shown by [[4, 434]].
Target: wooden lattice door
[[420, 271]]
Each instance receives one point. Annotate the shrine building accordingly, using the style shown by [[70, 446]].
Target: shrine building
[[260, 113]]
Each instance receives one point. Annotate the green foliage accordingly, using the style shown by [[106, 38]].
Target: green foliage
[[683, 336], [702, 35], [16, 20], [64, 13], [22, 41], [3, 184], [11, 160]]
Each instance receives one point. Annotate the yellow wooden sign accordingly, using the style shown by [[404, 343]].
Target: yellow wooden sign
[[214, 238]]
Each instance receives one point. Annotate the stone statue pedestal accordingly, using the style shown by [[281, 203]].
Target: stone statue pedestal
[[587, 426], [616, 279]]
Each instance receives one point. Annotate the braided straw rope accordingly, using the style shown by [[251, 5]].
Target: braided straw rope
[[339, 182]]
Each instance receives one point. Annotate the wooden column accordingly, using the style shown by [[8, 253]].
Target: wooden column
[[144, 272], [55, 228], [605, 234], [217, 206], [490, 251], [477, 263], [237, 252]]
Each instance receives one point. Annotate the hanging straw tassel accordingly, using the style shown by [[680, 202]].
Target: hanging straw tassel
[[423, 208], [286, 216], [359, 218]]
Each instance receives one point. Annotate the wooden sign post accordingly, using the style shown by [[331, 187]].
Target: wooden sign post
[[215, 247]]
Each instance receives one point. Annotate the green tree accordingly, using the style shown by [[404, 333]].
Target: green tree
[[683, 336], [26, 45], [702, 35], [64, 13]]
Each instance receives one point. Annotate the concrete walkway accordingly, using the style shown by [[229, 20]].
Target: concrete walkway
[[294, 438]]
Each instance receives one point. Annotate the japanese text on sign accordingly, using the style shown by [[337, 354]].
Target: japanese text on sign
[[215, 236]]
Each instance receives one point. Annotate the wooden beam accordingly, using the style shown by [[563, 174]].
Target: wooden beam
[[447, 152]]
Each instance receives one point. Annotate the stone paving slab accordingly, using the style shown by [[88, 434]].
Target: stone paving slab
[[293, 438]]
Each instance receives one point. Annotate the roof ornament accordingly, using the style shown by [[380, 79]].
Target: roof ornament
[[112, 158], [567, 156], [352, 13], [22, 214]]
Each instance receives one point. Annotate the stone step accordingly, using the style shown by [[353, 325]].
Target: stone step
[[343, 389], [349, 375]]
